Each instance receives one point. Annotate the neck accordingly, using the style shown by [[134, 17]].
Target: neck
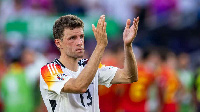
[[69, 62]]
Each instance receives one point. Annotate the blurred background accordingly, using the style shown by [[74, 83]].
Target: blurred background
[[167, 49]]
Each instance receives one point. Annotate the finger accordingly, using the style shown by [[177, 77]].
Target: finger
[[104, 27], [101, 18], [102, 24], [138, 20], [99, 23], [93, 28], [128, 23], [134, 24], [135, 27]]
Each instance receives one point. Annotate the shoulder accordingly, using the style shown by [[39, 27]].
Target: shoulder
[[82, 62], [51, 68]]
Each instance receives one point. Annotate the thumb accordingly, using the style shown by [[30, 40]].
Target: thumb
[[128, 23]]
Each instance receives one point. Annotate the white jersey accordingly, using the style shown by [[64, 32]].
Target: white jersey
[[53, 77]]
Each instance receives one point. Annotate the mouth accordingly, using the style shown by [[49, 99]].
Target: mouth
[[79, 50]]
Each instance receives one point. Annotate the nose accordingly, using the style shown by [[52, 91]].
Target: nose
[[80, 41]]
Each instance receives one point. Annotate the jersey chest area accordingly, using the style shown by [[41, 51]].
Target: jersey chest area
[[84, 99]]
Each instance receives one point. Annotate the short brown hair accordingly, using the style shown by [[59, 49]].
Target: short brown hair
[[67, 21]]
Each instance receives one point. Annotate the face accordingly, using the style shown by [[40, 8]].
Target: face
[[28, 56], [72, 44], [184, 60]]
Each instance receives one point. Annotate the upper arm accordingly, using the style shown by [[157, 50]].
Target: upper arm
[[106, 74], [121, 77], [72, 87], [118, 77]]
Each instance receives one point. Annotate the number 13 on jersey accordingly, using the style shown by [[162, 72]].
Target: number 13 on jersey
[[86, 98]]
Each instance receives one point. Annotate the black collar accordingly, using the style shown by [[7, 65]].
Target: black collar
[[58, 62]]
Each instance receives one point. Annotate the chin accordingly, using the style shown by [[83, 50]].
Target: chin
[[79, 56]]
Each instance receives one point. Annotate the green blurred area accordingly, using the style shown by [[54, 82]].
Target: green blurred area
[[41, 26], [16, 91]]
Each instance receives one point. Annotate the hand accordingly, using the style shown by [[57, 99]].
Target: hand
[[130, 33], [100, 31]]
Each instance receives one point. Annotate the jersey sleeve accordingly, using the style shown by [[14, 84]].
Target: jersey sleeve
[[54, 77], [106, 74]]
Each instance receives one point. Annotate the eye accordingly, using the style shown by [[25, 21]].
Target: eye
[[72, 38], [82, 36]]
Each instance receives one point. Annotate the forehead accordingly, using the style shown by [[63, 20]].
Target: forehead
[[76, 31]]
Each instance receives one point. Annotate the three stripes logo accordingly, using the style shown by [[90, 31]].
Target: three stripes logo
[[52, 68], [55, 69]]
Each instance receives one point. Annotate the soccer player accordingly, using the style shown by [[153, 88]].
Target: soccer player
[[70, 84]]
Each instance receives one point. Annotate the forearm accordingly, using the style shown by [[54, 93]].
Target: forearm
[[129, 73], [88, 73], [130, 65]]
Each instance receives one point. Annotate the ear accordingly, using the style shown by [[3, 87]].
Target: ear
[[58, 43]]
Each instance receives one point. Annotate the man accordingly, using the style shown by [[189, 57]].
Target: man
[[69, 84]]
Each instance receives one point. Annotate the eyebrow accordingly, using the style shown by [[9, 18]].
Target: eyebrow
[[72, 36], [76, 35]]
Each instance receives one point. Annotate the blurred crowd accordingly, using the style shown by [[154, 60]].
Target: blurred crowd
[[167, 49], [166, 83]]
